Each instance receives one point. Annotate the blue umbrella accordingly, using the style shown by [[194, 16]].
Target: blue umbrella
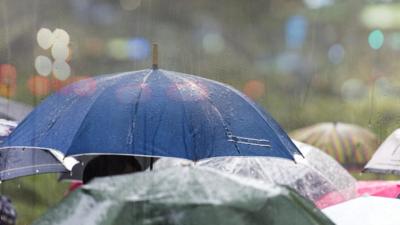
[[152, 112]]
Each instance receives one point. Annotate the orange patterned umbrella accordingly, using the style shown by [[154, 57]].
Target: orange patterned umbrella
[[349, 144]]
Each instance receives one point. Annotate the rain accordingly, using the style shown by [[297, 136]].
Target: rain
[[161, 112]]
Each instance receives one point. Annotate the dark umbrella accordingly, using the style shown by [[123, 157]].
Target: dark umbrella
[[182, 196], [152, 113], [17, 162]]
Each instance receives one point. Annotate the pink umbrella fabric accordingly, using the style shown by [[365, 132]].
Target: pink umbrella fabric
[[390, 189]]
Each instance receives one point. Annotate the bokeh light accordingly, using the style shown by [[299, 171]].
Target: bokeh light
[[38, 85], [213, 43], [45, 38], [336, 53], [138, 48], [376, 39], [61, 70], [255, 89], [8, 80], [296, 31], [129, 5], [117, 48], [61, 37], [353, 89], [60, 51], [316, 4], [43, 65], [384, 16], [8, 74]]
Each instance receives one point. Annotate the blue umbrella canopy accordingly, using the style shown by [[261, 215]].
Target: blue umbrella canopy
[[152, 113]]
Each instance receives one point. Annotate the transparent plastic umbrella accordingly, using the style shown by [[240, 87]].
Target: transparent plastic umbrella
[[18, 162], [317, 177], [188, 195]]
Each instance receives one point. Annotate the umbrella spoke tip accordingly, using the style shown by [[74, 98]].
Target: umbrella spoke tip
[[155, 56]]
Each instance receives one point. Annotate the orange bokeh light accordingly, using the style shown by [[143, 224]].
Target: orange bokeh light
[[8, 80], [7, 91], [8, 75], [254, 89], [39, 85]]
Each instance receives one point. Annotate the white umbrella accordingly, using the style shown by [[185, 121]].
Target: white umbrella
[[367, 210], [387, 158]]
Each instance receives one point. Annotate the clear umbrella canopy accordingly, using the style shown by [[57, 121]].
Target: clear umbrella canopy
[[317, 177], [189, 196]]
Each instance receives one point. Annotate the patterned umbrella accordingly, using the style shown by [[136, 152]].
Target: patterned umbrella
[[349, 144]]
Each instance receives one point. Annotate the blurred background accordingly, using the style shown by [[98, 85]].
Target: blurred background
[[305, 61]]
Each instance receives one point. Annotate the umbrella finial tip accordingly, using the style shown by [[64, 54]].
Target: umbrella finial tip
[[155, 56]]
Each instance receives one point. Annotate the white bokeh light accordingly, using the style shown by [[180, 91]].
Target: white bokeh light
[[60, 51], [213, 43], [61, 70], [43, 65], [61, 36], [45, 38]]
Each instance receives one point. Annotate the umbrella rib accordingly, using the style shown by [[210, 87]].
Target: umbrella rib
[[87, 112], [183, 105], [27, 167], [135, 110], [257, 111], [228, 131]]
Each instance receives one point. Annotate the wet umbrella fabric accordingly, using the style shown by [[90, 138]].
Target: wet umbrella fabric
[[152, 113], [182, 196], [351, 145], [17, 162], [317, 177], [387, 157]]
